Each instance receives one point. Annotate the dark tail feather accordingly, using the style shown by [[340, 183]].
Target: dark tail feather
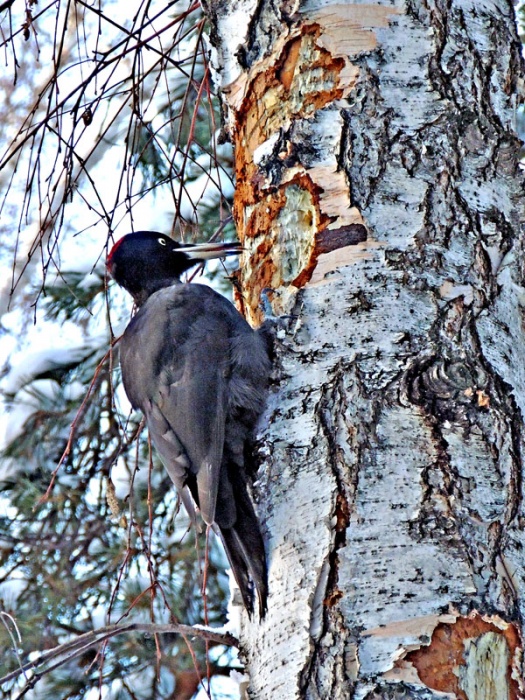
[[247, 560], [245, 549]]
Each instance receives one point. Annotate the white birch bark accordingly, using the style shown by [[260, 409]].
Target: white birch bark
[[378, 195]]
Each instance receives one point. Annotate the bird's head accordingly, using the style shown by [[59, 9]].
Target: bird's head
[[145, 261]]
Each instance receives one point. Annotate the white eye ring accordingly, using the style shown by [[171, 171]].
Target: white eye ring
[[162, 241]]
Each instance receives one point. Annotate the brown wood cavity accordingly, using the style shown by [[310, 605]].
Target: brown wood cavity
[[287, 71], [303, 79], [437, 664]]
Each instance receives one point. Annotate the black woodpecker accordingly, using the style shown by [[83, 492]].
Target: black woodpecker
[[199, 373]]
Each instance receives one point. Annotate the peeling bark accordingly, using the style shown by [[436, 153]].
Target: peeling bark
[[379, 197]]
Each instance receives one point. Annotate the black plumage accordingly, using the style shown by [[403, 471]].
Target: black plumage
[[199, 373]]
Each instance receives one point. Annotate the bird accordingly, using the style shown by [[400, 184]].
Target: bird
[[199, 373]]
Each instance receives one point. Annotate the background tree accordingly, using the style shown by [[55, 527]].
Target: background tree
[[377, 195], [109, 125]]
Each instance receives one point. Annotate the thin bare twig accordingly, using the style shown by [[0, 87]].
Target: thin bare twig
[[90, 639]]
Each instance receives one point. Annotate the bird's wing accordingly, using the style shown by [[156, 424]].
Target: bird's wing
[[193, 405], [174, 359]]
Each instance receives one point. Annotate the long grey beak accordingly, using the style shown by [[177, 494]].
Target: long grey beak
[[209, 251]]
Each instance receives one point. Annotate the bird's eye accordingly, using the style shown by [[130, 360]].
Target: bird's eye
[[162, 241]]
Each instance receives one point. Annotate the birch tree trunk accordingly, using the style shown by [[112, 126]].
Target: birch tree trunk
[[378, 196]]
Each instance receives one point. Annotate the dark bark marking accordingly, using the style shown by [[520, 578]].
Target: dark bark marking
[[400, 691], [467, 393], [329, 409], [366, 143], [332, 239]]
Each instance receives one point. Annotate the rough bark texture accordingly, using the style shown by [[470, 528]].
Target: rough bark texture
[[378, 195]]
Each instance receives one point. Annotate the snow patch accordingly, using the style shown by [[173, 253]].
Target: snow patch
[[33, 364]]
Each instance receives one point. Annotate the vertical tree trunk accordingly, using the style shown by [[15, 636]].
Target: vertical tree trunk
[[378, 195]]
